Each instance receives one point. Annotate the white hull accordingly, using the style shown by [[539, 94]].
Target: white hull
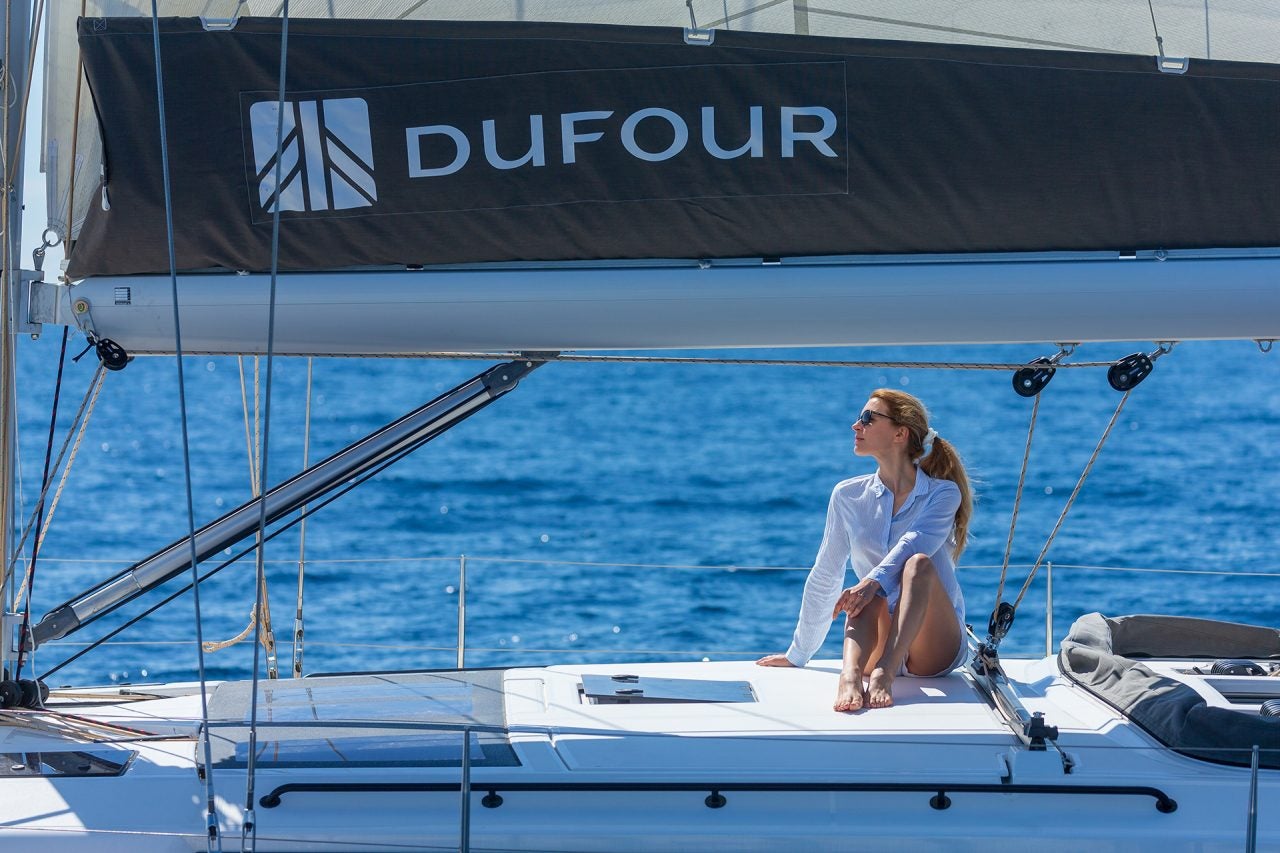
[[940, 733]]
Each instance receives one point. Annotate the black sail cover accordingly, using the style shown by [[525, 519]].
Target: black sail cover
[[429, 142]]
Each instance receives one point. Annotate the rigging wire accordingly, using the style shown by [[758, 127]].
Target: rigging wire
[[45, 480], [656, 359], [248, 834], [675, 359], [213, 837], [8, 391], [1159, 41]]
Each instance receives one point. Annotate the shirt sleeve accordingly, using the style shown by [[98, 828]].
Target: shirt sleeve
[[930, 530], [821, 589]]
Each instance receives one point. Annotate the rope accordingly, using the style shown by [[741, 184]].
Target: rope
[[248, 433], [30, 580], [86, 408], [217, 646], [253, 447], [97, 382], [82, 416], [1017, 500], [1074, 492], [302, 534], [214, 840], [248, 836]]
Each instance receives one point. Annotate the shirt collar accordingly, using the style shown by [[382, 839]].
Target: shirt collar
[[921, 486]]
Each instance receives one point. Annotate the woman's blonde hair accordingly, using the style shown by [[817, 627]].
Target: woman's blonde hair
[[943, 462]]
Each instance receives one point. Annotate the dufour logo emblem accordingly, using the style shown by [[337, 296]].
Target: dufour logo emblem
[[326, 156]]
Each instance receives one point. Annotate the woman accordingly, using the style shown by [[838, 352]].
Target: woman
[[902, 528]]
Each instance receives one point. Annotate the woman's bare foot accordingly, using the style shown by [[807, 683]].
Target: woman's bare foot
[[880, 689], [849, 695]]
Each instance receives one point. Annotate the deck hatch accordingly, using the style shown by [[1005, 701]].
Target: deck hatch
[[99, 761], [383, 720], [626, 689]]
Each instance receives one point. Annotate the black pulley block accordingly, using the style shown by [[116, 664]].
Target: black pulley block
[[1001, 621], [111, 354], [1030, 380], [10, 694], [1129, 371]]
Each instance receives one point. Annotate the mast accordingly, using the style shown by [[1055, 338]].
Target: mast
[[16, 23]]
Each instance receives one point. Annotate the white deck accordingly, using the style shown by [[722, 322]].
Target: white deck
[[941, 732]]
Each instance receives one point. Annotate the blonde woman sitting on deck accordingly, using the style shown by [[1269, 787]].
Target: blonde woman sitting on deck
[[902, 528]]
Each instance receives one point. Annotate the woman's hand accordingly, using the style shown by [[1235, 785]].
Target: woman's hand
[[774, 660], [855, 598]]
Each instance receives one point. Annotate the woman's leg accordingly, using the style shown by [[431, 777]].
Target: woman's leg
[[864, 638], [923, 632]]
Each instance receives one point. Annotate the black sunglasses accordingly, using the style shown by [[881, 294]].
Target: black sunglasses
[[867, 417]]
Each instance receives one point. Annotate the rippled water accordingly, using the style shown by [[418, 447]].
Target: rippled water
[[674, 471]]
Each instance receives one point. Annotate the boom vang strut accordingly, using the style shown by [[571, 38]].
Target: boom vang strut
[[395, 439]]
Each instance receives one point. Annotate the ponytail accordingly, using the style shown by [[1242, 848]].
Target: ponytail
[[943, 463]]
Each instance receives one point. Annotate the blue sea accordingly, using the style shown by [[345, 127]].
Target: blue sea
[[627, 512]]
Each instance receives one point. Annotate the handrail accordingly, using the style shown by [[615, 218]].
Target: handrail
[[715, 798]]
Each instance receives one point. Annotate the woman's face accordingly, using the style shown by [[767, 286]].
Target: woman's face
[[874, 432]]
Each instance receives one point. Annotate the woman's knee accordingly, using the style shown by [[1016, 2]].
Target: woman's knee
[[869, 617], [916, 566]]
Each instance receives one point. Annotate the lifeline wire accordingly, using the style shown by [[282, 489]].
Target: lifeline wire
[[213, 839], [248, 834], [44, 487]]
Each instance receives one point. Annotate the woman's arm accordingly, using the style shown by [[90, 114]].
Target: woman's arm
[[822, 587], [930, 530]]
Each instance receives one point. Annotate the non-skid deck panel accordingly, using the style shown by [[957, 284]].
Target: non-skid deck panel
[[790, 731], [388, 720]]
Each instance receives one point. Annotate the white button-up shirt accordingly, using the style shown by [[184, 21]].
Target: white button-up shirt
[[862, 529]]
